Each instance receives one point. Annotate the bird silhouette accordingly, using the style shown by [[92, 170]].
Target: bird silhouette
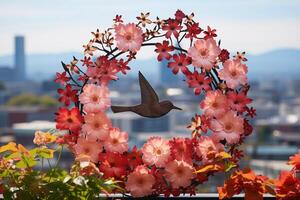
[[150, 106]]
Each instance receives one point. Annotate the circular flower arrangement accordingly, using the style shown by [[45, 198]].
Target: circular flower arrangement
[[161, 166]]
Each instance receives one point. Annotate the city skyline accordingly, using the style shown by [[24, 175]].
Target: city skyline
[[51, 27]]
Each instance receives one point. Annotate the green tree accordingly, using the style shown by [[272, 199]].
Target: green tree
[[32, 100]]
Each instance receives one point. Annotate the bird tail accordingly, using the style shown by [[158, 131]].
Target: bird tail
[[117, 109]]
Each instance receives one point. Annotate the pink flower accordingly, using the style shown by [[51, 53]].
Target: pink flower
[[129, 37], [234, 73], [96, 126], [156, 151], [179, 173], [95, 98], [88, 148], [229, 127], [204, 53], [207, 148], [140, 182], [214, 104], [117, 141]]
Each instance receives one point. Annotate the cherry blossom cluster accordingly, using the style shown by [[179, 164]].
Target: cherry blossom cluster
[[161, 166]]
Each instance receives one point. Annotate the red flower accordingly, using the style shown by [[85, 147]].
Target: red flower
[[210, 33], [295, 161], [224, 55], [113, 164], [199, 82], [288, 186], [172, 27], [180, 63], [238, 101], [251, 112], [123, 66], [86, 61], [193, 30], [247, 128], [179, 15], [68, 95], [118, 18], [182, 149], [134, 158], [69, 119], [163, 50], [61, 78]]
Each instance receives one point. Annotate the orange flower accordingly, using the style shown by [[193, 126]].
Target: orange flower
[[295, 161]]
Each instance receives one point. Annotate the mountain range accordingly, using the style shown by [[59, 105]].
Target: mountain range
[[281, 63]]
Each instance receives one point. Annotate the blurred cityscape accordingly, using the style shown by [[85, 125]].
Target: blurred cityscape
[[28, 104]]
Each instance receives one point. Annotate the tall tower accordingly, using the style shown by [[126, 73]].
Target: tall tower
[[20, 72]]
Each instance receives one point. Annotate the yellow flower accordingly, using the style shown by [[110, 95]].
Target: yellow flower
[[42, 138]]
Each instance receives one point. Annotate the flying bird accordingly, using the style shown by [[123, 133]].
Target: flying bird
[[150, 105]]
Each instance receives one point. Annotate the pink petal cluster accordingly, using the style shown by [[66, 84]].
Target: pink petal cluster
[[156, 151], [204, 53], [95, 98], [129, 37], [88, 148], [228, 127], [234, 73], [117, 141], [179, 173], [96, 126], [214, 104], [207, 148], [140, 182]]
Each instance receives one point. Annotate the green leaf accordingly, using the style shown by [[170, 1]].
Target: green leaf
[[26, 162], [45, 153]]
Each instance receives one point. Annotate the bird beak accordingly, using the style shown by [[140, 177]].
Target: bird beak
[[174, 107]]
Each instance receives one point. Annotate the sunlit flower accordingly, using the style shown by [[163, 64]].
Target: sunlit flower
[[214, 104], [95, 98], [156, 151], [204, 53], [143, 19], [199, 124], [117, 141], [89, 148], [228, 127], [43, 138], [129, 37], [179, 173], [208, 148], [140, 182], [96, 126], [234, 73]]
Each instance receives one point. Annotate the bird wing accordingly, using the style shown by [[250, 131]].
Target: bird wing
[[148, 95]]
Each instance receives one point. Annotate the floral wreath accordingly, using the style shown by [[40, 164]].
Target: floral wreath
[[161, 166]]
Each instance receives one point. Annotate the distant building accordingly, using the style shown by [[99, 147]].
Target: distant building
[[18, 71], [20, 74], [10, 115]]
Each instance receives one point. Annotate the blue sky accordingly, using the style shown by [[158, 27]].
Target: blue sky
[[56, 26]]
